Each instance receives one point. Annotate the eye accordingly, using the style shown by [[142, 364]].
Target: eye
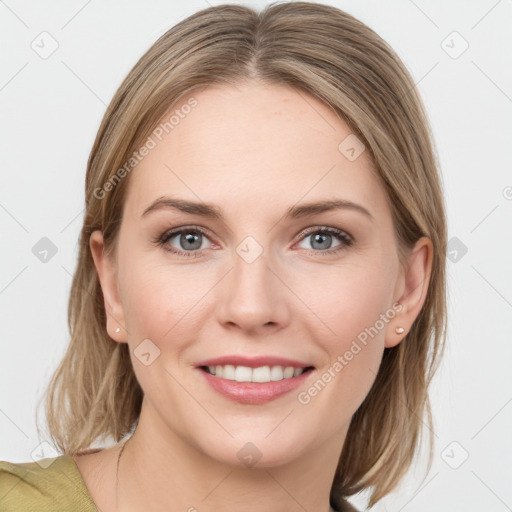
[[321, 239], [189, 241]]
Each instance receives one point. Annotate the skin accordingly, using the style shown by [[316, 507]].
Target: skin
[[253, 150]]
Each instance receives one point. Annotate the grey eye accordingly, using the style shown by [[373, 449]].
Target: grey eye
[[320, 241], [187, 240]]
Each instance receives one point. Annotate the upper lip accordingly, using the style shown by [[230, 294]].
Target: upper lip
[[252, 362]]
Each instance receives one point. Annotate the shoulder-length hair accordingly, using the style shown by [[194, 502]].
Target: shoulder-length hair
[[327, 53]]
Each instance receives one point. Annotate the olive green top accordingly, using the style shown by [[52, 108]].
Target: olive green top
[[48, 485], [55, 485]]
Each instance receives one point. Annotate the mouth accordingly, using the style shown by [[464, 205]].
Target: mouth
[[254, 384], [259, 374]]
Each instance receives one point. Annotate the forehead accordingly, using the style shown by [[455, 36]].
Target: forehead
[[255, 146]]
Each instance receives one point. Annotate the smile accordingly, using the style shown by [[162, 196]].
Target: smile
[[259, 374], [256, 385]]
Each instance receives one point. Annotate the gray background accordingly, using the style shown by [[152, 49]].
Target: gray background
[[51, 107]]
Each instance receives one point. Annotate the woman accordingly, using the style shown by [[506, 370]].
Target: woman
[[259, 302]]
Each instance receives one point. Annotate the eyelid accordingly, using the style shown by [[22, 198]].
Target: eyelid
[[345, 239], [173, 232], [325, 229]]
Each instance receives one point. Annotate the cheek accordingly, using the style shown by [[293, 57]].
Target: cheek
[[348, 300], [160, 315], [161, 302], [355, 310]]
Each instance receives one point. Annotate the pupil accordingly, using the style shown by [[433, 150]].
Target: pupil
[[190, 239], [322, 238]]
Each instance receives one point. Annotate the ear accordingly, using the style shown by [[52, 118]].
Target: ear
[[413, 290], [107, 274]]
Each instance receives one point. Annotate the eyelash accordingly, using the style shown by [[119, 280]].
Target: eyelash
[[342, 236]]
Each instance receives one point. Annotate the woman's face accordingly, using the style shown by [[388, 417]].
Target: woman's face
[[259, 279]]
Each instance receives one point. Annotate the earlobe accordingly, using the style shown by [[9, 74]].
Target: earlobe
[[107, 276], [416, 281]]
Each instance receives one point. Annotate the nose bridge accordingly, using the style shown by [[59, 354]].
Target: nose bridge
[[253, 295]]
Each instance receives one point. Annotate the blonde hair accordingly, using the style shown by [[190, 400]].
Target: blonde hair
[[327, 53]]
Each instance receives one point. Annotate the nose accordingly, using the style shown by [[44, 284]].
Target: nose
[[253, 297]]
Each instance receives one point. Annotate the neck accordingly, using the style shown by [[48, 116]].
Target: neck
[[159, 467]]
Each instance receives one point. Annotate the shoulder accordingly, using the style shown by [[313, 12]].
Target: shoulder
[[51, 484]]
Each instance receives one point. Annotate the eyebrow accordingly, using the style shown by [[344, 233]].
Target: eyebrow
[[294, 212]]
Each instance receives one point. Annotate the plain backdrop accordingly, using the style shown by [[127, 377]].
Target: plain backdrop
[[61, 62]]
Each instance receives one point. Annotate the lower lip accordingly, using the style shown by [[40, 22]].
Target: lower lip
[[253, 392]]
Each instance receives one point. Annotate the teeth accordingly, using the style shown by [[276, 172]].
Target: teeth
[[260, 374]]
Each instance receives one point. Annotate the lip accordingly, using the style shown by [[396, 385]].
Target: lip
[[253, 392], [252, 362]]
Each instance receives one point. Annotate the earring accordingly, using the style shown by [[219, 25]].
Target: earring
[[399, 330], [118, 330]]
